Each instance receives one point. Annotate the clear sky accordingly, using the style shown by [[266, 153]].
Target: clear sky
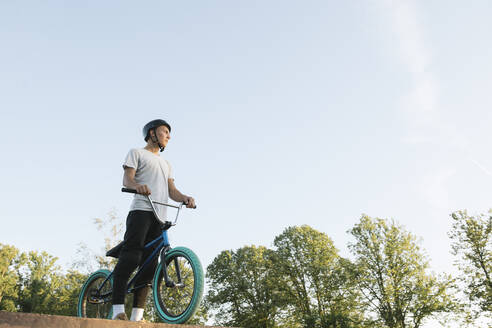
[[283, 113]]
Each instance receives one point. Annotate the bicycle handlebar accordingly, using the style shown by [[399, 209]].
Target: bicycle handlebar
[[133, 191]]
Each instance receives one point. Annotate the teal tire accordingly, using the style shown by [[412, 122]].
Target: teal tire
[[177, 304], [94, 304]]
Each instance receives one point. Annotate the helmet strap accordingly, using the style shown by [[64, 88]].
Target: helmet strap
[[156, 141]]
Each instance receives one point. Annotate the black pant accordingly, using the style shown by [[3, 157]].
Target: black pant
[[141, 228]]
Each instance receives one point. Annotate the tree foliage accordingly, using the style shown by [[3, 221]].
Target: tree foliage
[[472, 244], [391, 272], [44, 288], [33, 282], [243, 288], [10, 261], [316, 282], [39, 278], [301, 283], [89, 260]]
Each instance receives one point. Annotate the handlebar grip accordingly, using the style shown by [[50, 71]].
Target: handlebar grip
[[185, 204], [132, 191]]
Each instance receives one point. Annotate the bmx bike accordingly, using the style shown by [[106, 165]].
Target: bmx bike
[[177, 285]]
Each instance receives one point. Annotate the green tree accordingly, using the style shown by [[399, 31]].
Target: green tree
[[243, 288], [67, 292], [32, 282], [10, 261], [315, 280], [472, 244], [391, 273], [39, 280]]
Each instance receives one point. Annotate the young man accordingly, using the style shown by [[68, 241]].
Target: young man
[[148, 173]]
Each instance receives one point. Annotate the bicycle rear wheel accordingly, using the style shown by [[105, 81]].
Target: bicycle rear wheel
[[177, 303], [94, 301]]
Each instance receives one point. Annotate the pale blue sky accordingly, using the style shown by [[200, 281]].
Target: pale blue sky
[[283, 113]]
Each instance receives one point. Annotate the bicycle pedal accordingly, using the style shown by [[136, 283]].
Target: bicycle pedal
[[95, 300]]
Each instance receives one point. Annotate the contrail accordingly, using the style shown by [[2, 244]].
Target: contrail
[[481, 167]]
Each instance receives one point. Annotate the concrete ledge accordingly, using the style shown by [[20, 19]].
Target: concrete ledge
[[34, 320]]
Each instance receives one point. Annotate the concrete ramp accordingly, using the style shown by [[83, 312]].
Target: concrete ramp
[[33, 320]]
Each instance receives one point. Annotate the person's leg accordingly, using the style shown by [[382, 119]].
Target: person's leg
[[137, 227], [145, 278]]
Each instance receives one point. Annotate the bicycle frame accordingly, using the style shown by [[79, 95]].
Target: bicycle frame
[[162, 248]]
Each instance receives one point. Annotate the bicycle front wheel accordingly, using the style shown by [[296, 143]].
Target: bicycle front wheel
[[95, 296], [178, 300]]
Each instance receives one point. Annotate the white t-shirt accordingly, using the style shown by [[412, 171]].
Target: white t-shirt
[[153, 171]]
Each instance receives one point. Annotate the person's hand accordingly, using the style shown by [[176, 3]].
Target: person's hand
[[142, 189], [189, 202]]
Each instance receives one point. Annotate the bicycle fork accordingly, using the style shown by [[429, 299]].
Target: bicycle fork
[[169, 282]]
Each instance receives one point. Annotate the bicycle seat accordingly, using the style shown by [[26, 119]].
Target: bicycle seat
[[115, 251], [166, 225]]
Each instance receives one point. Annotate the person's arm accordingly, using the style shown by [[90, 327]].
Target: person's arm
[[177, 196], [129, 181]]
